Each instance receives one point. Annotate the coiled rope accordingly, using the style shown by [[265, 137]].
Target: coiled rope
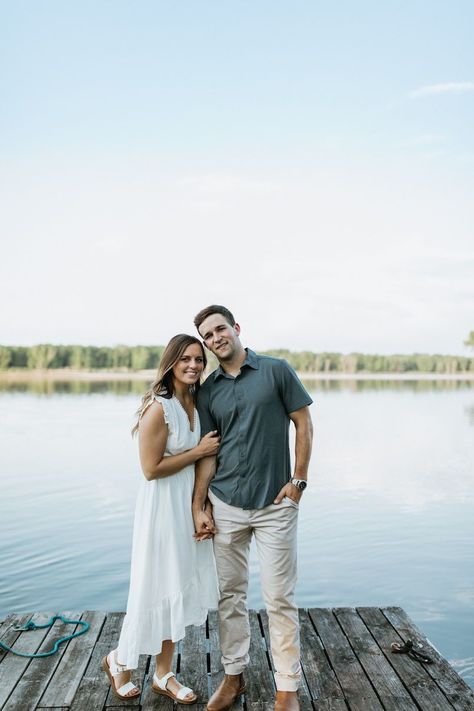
[[33, 626]]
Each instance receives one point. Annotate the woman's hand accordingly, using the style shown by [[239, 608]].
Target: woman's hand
[[209, 445], [204, 525]]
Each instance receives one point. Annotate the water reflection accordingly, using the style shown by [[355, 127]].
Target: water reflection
[[355, 386], [75, 387], [138, 387]]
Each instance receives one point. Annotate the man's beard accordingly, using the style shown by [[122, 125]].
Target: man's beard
[[226, 355]]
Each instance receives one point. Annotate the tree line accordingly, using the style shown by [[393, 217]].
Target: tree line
[[49, 357], [133, 358]]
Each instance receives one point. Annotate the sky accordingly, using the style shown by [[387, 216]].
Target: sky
[[309, 165]]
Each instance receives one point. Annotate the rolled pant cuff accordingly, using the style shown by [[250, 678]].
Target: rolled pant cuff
[[233, 669], [284, 683]]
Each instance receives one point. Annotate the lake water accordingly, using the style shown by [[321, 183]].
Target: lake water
[[388, 517]]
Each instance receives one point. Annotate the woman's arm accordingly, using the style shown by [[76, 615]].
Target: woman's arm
[[153, 434]]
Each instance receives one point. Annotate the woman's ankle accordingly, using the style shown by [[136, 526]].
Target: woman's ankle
[[113, 654], [161, 672]]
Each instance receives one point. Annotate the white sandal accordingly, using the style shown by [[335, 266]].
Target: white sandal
[[180, 694], [112, 668]]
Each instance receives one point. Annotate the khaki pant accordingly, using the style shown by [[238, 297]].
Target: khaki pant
[[274, 528]]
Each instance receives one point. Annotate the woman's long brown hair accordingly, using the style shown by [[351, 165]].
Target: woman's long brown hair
[[163, 383]]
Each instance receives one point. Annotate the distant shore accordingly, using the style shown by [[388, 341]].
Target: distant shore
[[65, 375]]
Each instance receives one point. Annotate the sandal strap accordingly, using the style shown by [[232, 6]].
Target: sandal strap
[[114, 667], [126, 688], [163, 682], [184, 691]]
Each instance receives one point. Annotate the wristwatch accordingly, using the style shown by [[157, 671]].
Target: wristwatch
[[300, 484]]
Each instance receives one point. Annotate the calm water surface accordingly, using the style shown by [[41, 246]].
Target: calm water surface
[[388, 518]]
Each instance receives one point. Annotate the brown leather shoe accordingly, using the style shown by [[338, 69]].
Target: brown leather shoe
[[230, 688], [286, 701]]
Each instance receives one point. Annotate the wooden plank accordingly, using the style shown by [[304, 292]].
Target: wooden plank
[[193, 664], [460, 695], [13, 667], [304, 696], [193, 661], [94, 686], [8, 633], [216, 671], [387, 685], [156, 702], [323, 685], [414, 676], [259, 678], [139, 677], [358, 691], [36, 676], [69, 672]]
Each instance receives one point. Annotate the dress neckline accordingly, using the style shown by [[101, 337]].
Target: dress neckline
[[191, 424]]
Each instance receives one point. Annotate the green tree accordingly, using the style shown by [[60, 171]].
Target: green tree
[[103, 358], [121, 357], [139, 357], [75, 357], [41, 356], [5, 357], [60, 359], [19, 356]]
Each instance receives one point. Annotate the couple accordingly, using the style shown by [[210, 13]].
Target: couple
[[221, 472]]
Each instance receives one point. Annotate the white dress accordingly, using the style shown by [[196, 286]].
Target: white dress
[[173, 579]]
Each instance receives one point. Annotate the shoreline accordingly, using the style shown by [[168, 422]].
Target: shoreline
[[66, 375]]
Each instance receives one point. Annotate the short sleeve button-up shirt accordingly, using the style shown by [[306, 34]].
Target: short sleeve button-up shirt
[[251, 414]]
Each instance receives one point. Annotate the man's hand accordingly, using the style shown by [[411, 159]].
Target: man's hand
[[290, 491], [203, 524], [202, 509]]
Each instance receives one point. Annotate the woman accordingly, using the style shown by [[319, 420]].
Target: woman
[[173, 581]]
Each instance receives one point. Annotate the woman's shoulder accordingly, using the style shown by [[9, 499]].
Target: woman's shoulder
[[156, 409], [153, 410], [167, 399], [167, 406]]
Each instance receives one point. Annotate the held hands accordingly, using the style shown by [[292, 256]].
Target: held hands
[[290, 491], [204, 524], [209, 445]]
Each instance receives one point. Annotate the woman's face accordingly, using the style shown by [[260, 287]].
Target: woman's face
[[190, 365]]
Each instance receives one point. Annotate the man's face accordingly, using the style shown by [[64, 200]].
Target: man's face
[[220, 337]]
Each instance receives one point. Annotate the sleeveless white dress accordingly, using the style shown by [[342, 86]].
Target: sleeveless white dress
[[173, 581]]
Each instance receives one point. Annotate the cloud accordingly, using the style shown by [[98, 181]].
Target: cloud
[[453, 87]]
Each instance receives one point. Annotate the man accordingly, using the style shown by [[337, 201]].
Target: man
[[250, 401]]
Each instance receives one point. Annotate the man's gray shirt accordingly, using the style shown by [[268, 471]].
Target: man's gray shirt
[[251, 414]]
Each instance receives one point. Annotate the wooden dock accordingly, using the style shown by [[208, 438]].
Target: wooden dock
[[346, 661]]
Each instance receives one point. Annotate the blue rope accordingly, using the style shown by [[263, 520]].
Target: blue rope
[[33, 626]]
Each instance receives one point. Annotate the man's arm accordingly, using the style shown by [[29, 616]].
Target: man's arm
[[303, 445], [304, 441], [203, 521]]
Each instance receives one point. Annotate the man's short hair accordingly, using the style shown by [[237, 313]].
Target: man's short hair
[[214, 309]]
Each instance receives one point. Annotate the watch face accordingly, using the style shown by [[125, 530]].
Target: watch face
[[302, 485]]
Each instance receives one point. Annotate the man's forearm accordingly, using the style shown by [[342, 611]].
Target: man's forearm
[[303, 447], [205, 470]]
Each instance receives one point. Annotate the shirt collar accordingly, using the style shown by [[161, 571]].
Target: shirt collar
[[251, 361]]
